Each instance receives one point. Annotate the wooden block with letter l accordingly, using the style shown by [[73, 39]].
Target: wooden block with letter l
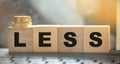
[[70, 38], [45, 38], [20, 39], [96, 38]]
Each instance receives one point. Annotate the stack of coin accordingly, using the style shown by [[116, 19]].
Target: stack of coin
[[22, 21]]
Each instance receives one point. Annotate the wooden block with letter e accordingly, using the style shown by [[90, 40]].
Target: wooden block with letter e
[[20, 39], [45, 38], [96, 38], [70, 38]]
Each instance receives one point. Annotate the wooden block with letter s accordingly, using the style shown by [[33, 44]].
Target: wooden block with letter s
[[20, 39], [96, 39], [70, 38], [45, 38]]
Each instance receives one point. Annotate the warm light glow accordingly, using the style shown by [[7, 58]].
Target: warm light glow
[[118, 25], [98, 11]]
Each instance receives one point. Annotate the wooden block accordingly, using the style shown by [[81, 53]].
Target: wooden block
[[118, 26], [20, 39], [96, 38], [70, 38], [45, 38]]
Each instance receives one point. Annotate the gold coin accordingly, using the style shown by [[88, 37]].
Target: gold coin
[[22, 24], [21, 19]]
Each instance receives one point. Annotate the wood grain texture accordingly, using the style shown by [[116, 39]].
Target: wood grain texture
[[25, 36], [105, 37], [53, 38], [77, 30]]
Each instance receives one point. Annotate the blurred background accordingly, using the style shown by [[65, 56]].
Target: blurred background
[[60, 12]]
